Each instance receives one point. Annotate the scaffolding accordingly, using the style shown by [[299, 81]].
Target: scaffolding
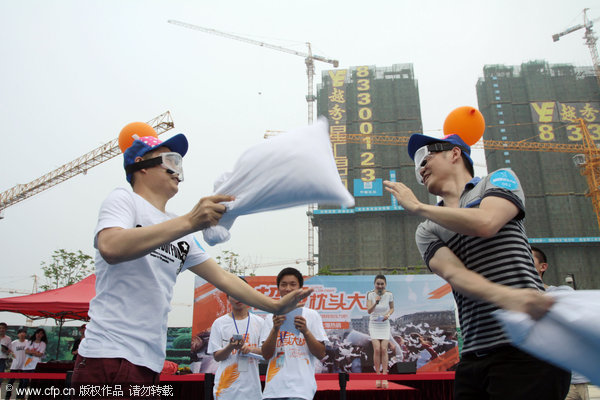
[[543, 104], [375, 104]]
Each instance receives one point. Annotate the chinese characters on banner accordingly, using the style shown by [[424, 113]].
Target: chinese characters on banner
[[423, 313], [365, 127], [551, 116], [367, 185], [336, 108]]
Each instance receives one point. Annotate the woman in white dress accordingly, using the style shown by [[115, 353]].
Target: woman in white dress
[[380, 305]]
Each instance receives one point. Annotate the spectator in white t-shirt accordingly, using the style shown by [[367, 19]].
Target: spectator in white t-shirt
[[35, 349], [234, 339], [292, 359], [5, 342], [17, 349]]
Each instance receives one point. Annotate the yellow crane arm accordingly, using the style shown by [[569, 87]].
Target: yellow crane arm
[[487, 144], [20, 192]]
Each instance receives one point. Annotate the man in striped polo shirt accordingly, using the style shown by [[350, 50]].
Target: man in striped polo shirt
[[475, 239]]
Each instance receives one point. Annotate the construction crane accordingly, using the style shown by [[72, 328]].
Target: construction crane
[[80, 165], [587, 157], [590, 39], [13, 291], [309, 59], [281, 263]]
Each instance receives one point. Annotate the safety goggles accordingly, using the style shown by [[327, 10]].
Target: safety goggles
[[424, 154], [172, 162]]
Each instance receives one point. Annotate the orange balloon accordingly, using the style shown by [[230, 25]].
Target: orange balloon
[[466, 122], [140, 129]]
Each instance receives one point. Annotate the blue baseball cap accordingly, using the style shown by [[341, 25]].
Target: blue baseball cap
[[143, 145], [419, 140]]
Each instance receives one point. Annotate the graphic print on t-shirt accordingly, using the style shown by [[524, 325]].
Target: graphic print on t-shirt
[[275, 365], [228, 377], [170, 252]]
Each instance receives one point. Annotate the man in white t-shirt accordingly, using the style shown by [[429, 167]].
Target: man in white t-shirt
[[141, 249], [5, 343], [292, 359], [234, 343]]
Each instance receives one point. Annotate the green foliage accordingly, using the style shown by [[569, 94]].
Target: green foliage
[[65, 345], [180, 347], [180, 331], [410, 270], [178, 353], [183, 342], [231, 262], [326, 270], [66, 268], [180, 361]]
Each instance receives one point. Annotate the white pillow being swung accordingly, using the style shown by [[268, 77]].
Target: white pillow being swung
[[292, 169]]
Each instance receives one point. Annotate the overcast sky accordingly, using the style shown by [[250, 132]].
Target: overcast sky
[[73, 73]]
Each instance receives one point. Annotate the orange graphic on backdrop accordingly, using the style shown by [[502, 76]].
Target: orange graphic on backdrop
[[210, 303], [440, 292], [443, 362]]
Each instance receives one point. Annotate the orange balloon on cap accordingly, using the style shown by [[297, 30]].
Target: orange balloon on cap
[[140, 129], [466, 122]]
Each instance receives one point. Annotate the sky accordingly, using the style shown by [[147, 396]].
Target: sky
[[73, 73]]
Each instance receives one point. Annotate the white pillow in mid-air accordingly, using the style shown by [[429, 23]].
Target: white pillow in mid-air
[[292, 169]]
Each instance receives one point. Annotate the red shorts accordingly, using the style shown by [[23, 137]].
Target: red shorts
[[113, 378]]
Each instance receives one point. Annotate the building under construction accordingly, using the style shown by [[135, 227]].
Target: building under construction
[[367, 108], [538, 102]]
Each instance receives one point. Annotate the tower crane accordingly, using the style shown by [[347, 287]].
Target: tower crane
[[281, 263], [309, 59], [590, 39], [11, 291], [20, 192], [587, 157]]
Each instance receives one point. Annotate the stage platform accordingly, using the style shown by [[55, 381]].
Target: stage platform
[[364, 389]]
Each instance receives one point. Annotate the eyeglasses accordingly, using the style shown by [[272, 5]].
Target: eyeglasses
[[423, 155], [172, 162]]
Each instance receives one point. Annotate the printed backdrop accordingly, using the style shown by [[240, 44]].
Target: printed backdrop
[[423, 325]]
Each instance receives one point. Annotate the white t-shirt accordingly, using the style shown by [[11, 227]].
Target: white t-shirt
[[230, 382], [6, 342], [128, 315], [32, 361], [18, 349], [291, 371]]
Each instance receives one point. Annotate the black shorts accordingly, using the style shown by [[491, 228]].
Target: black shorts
[[508, 373]]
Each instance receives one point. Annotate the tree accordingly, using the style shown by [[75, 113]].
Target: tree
[[231, 262], [326, 270], [66, 269]]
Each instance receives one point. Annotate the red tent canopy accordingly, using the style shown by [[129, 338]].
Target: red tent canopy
[[69, 302]]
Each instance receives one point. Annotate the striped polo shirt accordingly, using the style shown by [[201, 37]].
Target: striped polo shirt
[[504, 258]]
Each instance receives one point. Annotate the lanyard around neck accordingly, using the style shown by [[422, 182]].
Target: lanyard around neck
[[247, 325]]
